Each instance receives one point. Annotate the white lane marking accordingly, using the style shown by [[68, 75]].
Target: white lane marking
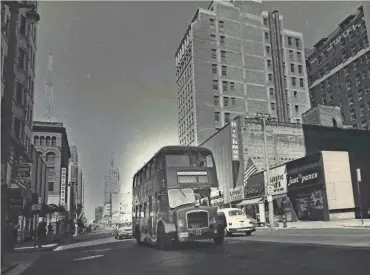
[[31, 247], [88, 243], [97, 250], [89, 258], [20, 268]]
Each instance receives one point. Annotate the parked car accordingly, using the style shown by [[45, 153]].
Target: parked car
[[123, 230], [237, 221]]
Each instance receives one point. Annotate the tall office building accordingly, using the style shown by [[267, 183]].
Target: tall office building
[[112, 185], [236, 59], [339, 70]]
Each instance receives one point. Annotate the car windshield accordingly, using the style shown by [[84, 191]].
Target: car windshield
[[177, 197], [189, 160], [236, 213]]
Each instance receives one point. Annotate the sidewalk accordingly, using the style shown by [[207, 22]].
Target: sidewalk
[[353, 223], [26, 252]]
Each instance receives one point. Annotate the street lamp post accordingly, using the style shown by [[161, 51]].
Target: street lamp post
[[7, 99], [263, 117]]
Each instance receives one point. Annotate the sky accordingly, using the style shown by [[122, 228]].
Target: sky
[[114, 75]]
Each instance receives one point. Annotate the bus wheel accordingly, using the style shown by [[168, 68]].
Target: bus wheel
[[164, 241], [219, 238]]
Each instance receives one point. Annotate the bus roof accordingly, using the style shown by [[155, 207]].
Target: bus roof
[[176, 149]]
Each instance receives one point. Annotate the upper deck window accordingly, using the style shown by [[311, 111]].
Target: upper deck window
[[189, 160]]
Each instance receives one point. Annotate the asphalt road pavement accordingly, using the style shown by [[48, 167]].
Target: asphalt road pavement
[[238, 255]]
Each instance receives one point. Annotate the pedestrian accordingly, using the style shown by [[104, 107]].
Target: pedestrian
[[41, 233]]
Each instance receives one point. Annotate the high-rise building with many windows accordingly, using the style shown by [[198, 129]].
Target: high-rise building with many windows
[[339, 70], [236, 59]]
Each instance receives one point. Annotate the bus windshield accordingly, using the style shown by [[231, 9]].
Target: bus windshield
[[189, 160], [177, 197]]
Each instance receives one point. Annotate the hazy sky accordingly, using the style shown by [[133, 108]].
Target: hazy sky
[[114, 77]]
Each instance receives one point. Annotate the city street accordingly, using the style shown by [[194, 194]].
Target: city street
[[254, 254]]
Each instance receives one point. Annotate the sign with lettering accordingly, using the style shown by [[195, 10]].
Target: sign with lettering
[[234, 140], [278, 181], [255, 187], [305, 171], [237, 193], [23, 173], [63, 179], [345, 34]]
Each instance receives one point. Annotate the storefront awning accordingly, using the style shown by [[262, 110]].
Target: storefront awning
[[250, 202]]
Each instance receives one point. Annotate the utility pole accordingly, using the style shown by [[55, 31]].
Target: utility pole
[[263, 117], [358, 172]]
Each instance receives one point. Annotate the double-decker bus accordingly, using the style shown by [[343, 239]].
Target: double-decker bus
[[171, 198]]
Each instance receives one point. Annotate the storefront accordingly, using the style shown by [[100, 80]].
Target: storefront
[[306, 189], [254, 202]]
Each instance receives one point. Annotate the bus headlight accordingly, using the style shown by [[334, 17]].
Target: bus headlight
[[180, 223], [213, 220]]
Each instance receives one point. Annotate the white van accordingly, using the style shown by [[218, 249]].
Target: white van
[[237, 222]]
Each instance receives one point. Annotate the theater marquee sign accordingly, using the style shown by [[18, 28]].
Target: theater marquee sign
[[234, 140]]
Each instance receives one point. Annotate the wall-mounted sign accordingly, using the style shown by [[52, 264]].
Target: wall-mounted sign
[[237, 193], [278, 180], [23, 174], [255, 187], [234, 140], [63, 187], [345, 34], [304, 171]]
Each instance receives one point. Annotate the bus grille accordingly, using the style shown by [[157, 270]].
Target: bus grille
[[197, 220]]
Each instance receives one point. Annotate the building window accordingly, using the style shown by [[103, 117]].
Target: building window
[[271, 91], [215, 85], [47, 141], [295, 93], [301, 82], [291, 55], [36, 140], [294, 83], [265, 21], [266, 35], [216, 100], [270, 77], [214, 68], [272, 106], [352, 115], [269, 63], [297, 43], [53, 141], [42, 141], [222, 39], [214, 54], [268, 49], [221, 24], [224, 70], [217, 117], [289, 41], [50, 157], [17, 128], [212, 37], [227, 117], [296, 108], [50, 186], [299, 56], [224, 86], [300, 69], [292, 68], [223, 55], [19, 94], [51, 171], [232, 86], [23, 24], [233, 101], [21, 58], [212, 22], [226, 101]]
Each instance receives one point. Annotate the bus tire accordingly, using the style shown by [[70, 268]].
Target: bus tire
[[164, 240], [137, 236], [219, 238]]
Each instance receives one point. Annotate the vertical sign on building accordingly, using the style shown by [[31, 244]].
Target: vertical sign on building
[[63, 187], [234, 140]]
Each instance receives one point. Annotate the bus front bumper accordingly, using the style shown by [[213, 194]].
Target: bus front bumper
[[197, 234]]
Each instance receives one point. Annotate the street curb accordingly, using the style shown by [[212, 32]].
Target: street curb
[[5, 270], [43, 249]]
